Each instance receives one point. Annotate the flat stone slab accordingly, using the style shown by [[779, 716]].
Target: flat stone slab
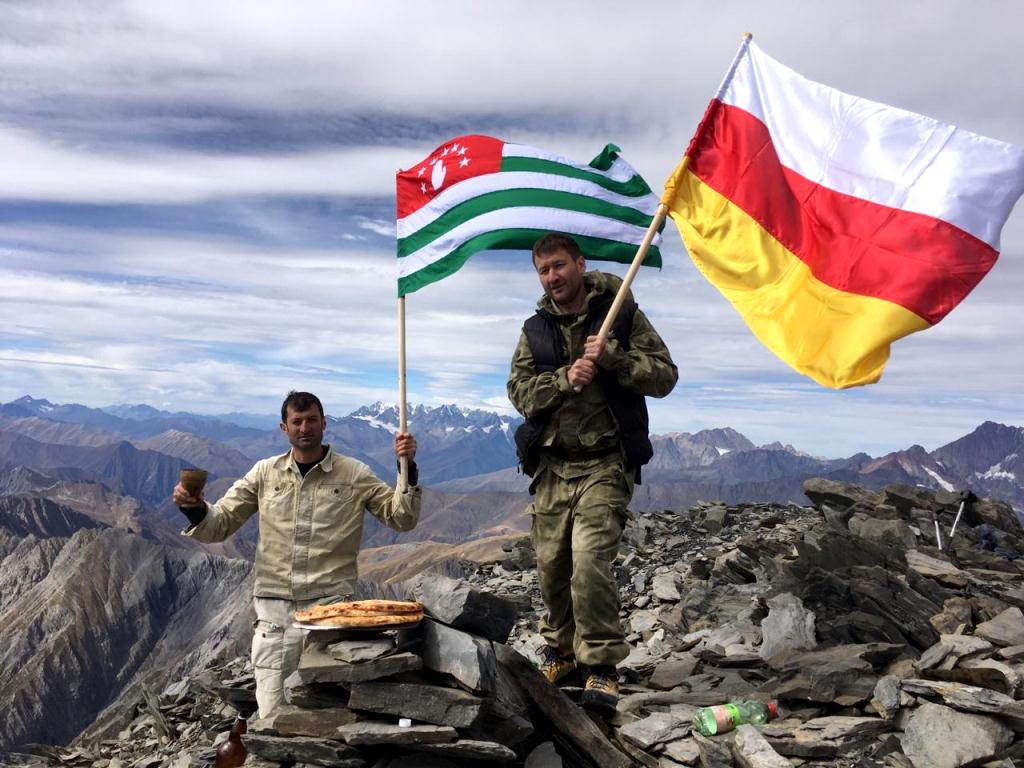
[[663, 585], [386, 733], [886, 697], [751, 749], [823, 737], [950, 649], [842, 673], [1006, 629], [429, 703], [354, 651], [300, 749], [942, 571], [467, 658], [940, 737], [464, 607], [469, 749], [543, 756], [655, 729], [966, 698], [668, 674], [789, 626], [288, 720], [318, 666], [683, 751]]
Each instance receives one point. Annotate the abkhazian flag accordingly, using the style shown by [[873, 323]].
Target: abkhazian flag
[[837, 225], [478, 193]]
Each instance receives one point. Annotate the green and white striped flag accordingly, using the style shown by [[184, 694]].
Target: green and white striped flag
[[477, 193]]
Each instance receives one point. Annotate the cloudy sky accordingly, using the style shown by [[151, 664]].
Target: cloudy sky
[[197, 199]]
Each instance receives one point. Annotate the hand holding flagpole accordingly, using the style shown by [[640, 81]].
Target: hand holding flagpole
[[627, 281]]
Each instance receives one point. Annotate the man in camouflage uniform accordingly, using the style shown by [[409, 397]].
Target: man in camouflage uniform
[[583, 443]]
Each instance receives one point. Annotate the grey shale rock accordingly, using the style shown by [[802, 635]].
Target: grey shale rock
[[886, 697], [751, 750], [470, 749], [824, 737], [467, 658], [288, 720], [940, 737], [840, 673], [966, 698], [1005, 629], [543, 756], [684, 751], [373, 733], [316, 666], [789, 626], [838, 494], [714, 753], [429, 703], [942, 570], [300, 749], [363, 649], [663, 585], [714, 519], [464, 607], [896, 532], [655, 729], [671, 673]]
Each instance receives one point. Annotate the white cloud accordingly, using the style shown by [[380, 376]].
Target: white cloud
[[174, 105]]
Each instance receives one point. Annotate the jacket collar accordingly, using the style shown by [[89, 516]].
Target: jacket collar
[[596, 283], [286, 461]]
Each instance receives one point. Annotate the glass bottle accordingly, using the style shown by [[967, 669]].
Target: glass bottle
[[709, 721], [232, 753]]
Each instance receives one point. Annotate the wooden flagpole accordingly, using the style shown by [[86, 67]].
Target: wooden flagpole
[[641, 254], [659, 217], [403, 462]]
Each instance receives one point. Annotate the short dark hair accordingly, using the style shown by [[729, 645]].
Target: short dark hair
[[300, 401], [557, 241]]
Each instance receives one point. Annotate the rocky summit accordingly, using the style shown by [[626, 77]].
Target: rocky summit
[[886, 638]]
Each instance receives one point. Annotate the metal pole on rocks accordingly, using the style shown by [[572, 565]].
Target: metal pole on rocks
[[965, 496]]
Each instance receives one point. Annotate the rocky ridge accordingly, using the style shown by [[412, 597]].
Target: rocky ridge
[[882, 647]]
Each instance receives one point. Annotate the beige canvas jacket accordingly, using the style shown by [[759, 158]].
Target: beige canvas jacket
[[310, 527]]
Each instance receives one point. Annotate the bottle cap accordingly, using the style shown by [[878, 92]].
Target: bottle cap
[[773, 709]]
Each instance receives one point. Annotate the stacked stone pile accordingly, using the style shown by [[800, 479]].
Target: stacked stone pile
[[881, 647]]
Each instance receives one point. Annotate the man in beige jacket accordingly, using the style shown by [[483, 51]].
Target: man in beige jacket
[[310, 503]]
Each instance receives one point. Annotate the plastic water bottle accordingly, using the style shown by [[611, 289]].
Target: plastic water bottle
[[708, 721]]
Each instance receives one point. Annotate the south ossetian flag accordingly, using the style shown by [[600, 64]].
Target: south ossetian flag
[[477, 193], [836, 225]]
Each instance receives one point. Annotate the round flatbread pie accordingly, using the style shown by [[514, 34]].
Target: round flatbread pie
[[364, 608], [379, 620]]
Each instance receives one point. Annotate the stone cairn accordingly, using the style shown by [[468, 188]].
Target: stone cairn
[[881, 647]]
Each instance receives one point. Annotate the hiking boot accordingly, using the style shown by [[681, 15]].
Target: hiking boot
[[601, 690], [554, 667]]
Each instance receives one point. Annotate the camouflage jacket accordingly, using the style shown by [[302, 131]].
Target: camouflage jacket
[[580, 425]]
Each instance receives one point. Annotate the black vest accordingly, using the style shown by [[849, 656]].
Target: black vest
[[627, 408]]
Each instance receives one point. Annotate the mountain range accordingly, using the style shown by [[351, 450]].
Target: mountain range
[[99, 592]]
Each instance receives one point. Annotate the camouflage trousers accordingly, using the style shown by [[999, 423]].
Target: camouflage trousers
[[577, 527]]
